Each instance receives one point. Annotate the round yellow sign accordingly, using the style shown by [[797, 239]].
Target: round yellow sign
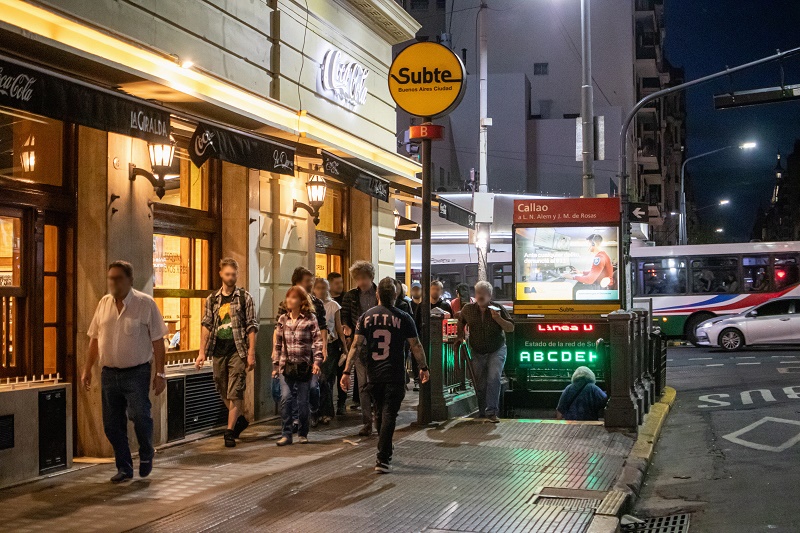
[[427, 80]]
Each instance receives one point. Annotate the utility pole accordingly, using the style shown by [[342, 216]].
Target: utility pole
[[587, 102], [483, 229]]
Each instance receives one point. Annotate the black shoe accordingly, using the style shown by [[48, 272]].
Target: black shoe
[[340, 411], [314, 421], [145, 467], [120, 476], [382, 468], [230, 441], [240, 425], [365, 431]]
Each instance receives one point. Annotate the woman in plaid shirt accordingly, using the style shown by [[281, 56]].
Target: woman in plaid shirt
[[296, 356]]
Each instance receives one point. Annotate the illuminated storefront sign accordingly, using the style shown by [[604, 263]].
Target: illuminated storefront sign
[[345, 79], [560, 346]]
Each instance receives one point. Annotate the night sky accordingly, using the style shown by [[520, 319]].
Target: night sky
[[705, 36]]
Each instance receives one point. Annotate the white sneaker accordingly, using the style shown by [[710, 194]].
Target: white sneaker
[[382, 468]]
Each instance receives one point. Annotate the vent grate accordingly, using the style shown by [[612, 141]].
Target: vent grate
[[678, 523], [569, 503], [204, 408]]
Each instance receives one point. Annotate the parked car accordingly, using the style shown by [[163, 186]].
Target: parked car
[[773, 322]]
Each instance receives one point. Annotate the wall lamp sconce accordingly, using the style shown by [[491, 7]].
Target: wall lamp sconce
[[316, 189], [160, 161]]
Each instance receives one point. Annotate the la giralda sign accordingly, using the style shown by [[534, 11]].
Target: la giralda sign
[[344, 78], [427, 80]]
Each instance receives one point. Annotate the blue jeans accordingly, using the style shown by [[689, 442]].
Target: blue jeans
[[126, 394], [294, 392], [487, 369], [313, 398]]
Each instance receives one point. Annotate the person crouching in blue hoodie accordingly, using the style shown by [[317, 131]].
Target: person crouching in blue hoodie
[[582, 399]]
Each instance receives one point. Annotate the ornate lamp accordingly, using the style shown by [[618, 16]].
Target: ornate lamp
[[160, 161], [316, 189]]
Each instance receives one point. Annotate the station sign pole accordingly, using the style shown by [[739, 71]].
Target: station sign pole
[[426, 80]]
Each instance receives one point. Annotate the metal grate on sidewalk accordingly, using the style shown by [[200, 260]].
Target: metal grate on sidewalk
[[678, 523]]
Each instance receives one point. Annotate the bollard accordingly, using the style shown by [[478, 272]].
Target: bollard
[[622, 410]]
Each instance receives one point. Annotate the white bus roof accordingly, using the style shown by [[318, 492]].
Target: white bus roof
[[716, 249]]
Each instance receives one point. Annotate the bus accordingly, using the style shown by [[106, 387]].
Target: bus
[[692, 283]]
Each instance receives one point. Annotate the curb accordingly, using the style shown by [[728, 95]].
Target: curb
[[631, 479]]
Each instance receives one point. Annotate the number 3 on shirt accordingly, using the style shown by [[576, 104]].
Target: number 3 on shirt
[[384, 339]]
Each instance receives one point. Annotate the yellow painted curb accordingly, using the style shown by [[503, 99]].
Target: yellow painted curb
[[651, 429]]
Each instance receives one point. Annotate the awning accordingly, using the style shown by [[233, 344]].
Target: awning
[[240, 149], [31, 89], [355, 177]]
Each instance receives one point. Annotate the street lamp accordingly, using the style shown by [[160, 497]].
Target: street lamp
[[28, 156], [161, 155], [720, 230], [684, 237], [316, 188], [724, 202]]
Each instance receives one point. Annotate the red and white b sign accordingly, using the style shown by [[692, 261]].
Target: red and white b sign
[[426, 131]]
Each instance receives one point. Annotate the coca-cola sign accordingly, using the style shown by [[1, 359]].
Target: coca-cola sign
[[344, 78], [16, 86]]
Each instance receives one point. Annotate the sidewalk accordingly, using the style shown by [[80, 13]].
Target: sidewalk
[[465, 475]]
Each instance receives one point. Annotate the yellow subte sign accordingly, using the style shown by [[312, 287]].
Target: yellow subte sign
[[427, 80]]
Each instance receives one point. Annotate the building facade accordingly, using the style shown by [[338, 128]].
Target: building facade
[[253, 96], [534, 98]]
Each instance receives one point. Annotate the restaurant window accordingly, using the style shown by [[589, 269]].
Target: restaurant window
[[31, 148], [331, 246], [186, 184], [181, 274], [10, 262]]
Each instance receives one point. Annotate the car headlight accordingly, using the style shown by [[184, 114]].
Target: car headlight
[[706, 325]]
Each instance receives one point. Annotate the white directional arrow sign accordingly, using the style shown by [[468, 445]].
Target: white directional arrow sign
[[638, 212]]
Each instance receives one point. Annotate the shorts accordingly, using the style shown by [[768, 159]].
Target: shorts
[[230, 376]]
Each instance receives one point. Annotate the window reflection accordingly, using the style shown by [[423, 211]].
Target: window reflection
[[30, 147], [10, 238], [186, 185]]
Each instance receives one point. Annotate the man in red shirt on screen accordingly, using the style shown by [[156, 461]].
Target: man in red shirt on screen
[[601, 275]]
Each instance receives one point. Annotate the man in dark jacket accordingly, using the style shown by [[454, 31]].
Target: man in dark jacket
[[355, 302]]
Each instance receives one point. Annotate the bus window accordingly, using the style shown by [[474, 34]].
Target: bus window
[[715, 274], [755, 276], [786, 271], [662, 276]]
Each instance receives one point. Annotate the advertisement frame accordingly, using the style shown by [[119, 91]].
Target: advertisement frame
[[567, 307]]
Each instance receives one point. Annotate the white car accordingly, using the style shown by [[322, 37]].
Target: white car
[[774, 322]]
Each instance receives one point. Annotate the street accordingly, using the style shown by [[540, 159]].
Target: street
[[728, 453]]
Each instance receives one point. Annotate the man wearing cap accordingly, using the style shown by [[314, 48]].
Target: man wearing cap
[[601, 275], [416, 296]]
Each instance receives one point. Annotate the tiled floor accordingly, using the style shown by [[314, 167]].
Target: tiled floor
[[463, 476]]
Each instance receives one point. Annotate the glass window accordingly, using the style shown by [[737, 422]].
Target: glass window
[[9, 342], [755, 275], [51, 303], [183, 317], [662, 276], [715, 274], [540, 69], [330, 214], [31, 147], [774, 308], [786, 271], [180, 262], [327, 263], [186, 185], [10, 239], [181, 268]]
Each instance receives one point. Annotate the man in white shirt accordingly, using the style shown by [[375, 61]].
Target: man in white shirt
[[127, 333]]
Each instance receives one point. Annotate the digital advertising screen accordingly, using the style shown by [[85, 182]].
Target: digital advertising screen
[[566, 264]]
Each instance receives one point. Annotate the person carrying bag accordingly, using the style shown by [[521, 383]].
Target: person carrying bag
[[297, 355]]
